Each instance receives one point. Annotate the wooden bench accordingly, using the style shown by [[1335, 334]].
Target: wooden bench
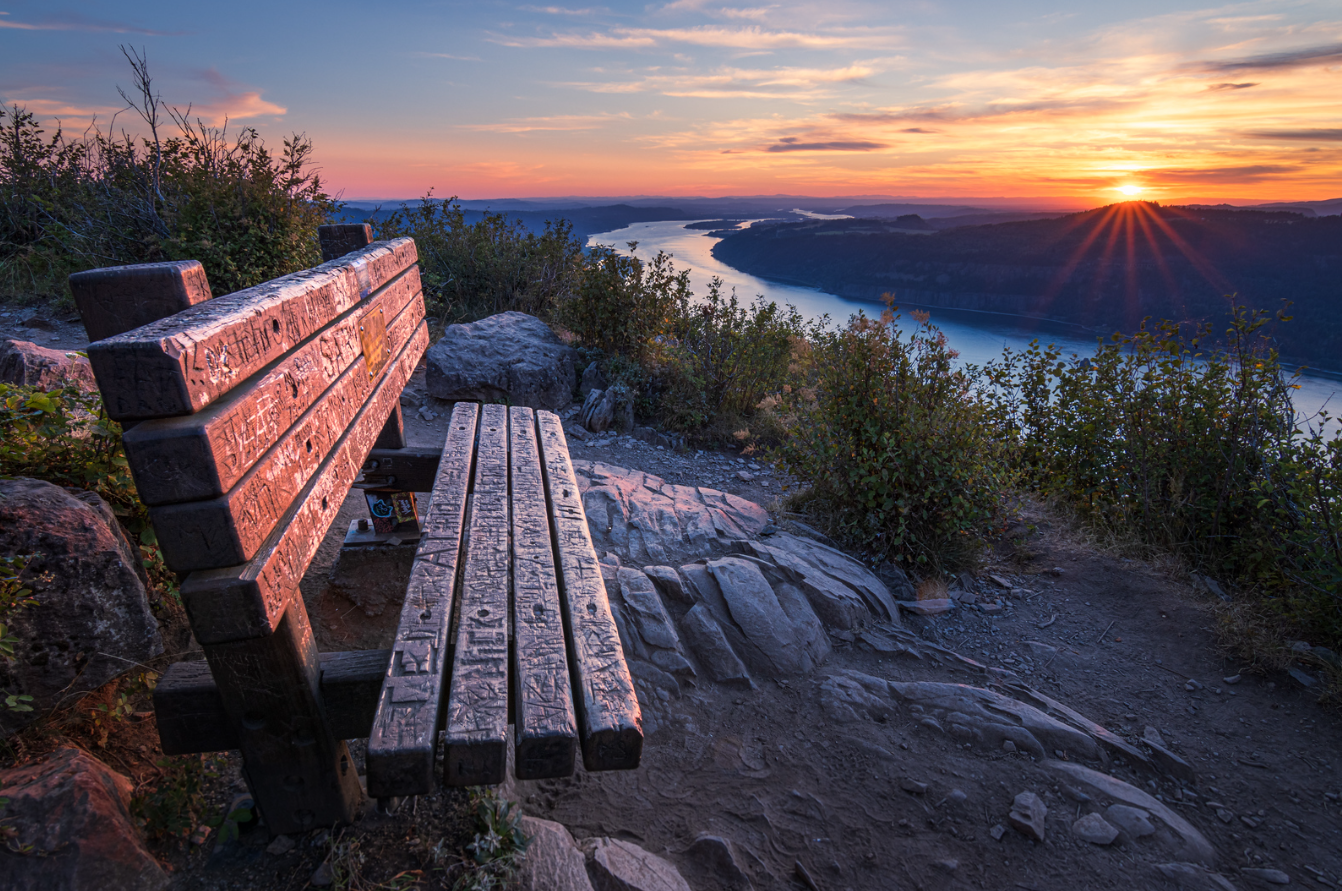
[[248, 418]]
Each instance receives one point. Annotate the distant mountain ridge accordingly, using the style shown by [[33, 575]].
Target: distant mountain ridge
[[1106, 269]]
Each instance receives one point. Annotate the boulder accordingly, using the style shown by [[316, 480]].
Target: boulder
[[715, 859], [757, 612], [553, 861], [710, 647], [30, 365], [510, 356], [646, 520], [617, 865], [92, 620], [70, 813], [598, 410]]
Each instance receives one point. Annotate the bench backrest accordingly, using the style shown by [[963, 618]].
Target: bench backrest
[[254, 412]]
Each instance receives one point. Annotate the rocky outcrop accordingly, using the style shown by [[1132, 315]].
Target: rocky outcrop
[[28, 364], [510, 356], [93, 619], [647, 520], [73, 830]]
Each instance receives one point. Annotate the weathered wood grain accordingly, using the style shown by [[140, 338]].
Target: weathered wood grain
[[192, 457], [247, 600], [546, 731], [339, 239], [409, 469], [477, 706], [301, 775], [190, 712], [118, 299], [186, 361], [610, 723], [230, 529], [403, 740]]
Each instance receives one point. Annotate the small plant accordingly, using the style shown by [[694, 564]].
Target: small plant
[[15, 595], [499, 846], [172, 808], [623, 305]]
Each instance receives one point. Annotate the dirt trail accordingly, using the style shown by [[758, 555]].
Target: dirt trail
[[1117, 640]]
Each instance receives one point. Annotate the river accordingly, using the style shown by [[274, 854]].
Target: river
[[978, 337]]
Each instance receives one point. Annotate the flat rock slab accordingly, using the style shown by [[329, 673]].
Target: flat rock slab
[[648, 521], [617, 865], [510, 357], [74, 813]]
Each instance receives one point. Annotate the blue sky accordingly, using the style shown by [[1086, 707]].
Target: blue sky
[[496, 99]]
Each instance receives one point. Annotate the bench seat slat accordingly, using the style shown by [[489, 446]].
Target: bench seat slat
[[546, 734], [402, 743], [477, 706], [230, 529], [248, 600], [193, 457], [182, 363], [610, 724]]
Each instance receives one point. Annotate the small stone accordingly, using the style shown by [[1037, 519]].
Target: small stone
[[1249, 821], [1231, 681], [913, 786], [1271, 876], [928, 607], [201, 835], [990, 608], [997, 832], [1009, 747], [1134, 821], [957, 796], [769, 530], [282, 844], [1152, 735], [1094, 829], [1055, 571], [1300, 646], [1224, 815], [1303, 679], [948, 865], [744, 476], [322, 876], [1027, 815], [1192, 685]]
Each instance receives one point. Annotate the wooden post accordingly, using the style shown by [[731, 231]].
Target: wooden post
[[118, 299], [300, 775], [339, 240]]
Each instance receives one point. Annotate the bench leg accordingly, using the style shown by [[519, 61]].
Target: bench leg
[[393, 432], [301, 776]]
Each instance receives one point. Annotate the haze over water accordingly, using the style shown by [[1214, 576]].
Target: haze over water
[[978, 337]]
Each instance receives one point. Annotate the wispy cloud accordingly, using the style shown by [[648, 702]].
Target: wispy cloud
[[790, 144], [741, 38], [233, 101], [72, 22], [561, 10], [1299, 58], [1219, 88], [456, 58], [735, 83], [1313, 135], [559, 122]]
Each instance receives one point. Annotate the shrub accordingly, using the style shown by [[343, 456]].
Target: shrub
[[623, 305], [495, 265], [723, 359], [1194, 453], [897, 452], [64, 436]]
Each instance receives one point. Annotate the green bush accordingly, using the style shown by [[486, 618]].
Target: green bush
[[495, 265], [723, 359], [898, 453], [68, 204], [63, 436], [1188, 452], [623, 305]]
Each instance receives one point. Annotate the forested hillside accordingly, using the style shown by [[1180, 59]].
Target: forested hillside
[[1106, 268]]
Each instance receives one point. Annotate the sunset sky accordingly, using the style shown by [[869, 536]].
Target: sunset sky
[[1099, 102]]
